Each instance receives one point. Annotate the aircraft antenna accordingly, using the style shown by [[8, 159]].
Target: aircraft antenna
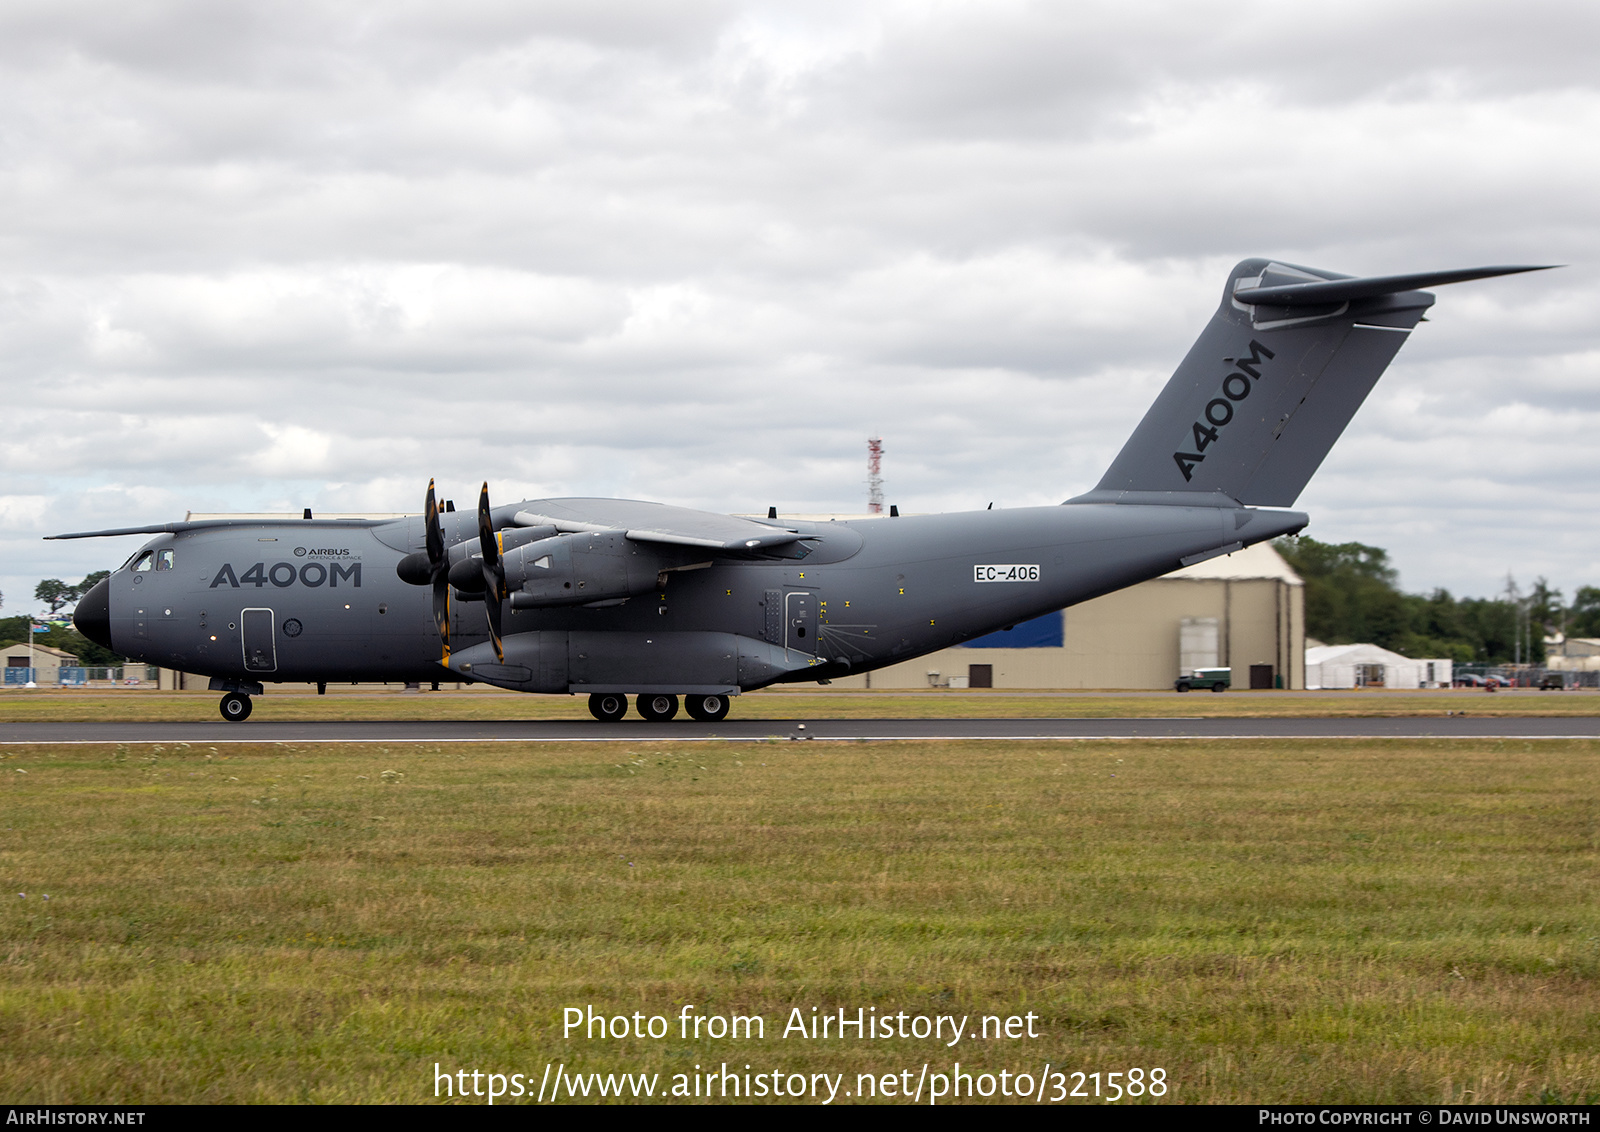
[[874, 475]]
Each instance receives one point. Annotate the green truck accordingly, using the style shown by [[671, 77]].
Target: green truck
[[1217, 679]]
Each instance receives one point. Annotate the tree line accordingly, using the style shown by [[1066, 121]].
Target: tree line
[[55, 593], [1353, 597]]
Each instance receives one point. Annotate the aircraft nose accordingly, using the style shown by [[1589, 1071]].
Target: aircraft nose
[[93, 615]]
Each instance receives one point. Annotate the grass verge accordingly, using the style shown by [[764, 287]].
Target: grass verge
[[1330, 921]]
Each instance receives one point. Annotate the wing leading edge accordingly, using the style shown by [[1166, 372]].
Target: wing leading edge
[[655, 522]]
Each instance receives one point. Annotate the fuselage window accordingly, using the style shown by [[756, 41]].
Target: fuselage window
[[145, 561], [163, 560]]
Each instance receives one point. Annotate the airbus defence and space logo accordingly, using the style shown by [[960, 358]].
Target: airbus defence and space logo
[[322, 552], [1218, 412]]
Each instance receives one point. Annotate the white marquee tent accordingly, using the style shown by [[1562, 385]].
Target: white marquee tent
[[1368, 666]]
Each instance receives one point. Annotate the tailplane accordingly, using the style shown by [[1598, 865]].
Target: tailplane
[[1274, 378]]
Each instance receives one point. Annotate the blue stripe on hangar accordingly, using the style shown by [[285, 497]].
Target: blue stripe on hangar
[[1040, 633]]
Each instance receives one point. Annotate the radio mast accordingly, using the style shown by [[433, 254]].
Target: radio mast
[[874, 476]]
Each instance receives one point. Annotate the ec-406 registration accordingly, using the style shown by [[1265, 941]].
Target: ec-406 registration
[[1005, 573]]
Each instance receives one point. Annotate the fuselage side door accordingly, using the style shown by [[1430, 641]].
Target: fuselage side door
[[800, 621], [255, 632]]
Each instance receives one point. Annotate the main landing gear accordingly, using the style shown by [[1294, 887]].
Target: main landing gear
[[658, 707], [235, 707], [608, 707], [707, 709]]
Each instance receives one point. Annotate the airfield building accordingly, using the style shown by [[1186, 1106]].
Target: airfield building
[[1244, 611], [1572, 654], [45, 663]]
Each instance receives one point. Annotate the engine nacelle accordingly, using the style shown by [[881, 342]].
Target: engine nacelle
[[465, 559], [580, 569]]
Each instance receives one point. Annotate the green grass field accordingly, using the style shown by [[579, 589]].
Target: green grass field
[[293, 703], [1331, 921]]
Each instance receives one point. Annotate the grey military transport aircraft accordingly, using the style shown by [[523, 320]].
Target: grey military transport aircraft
[[612, 598]]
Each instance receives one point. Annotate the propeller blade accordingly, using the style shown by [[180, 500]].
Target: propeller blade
[[438, 570], [494, 575], [486, 540], [420, 568], [435, 537], [493, 609], [441, 612]]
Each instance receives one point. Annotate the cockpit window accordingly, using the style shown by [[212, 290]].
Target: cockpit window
[[145, 561], [163, 559]]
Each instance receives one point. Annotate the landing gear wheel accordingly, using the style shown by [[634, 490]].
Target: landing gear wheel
[[608, 707], [658, 708], [707, 709], [236, 707], [1219, 687]]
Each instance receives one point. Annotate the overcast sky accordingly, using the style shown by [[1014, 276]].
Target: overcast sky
[[267, 256]]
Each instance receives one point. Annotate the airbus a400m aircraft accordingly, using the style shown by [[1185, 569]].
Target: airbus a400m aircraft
[[615, 598]]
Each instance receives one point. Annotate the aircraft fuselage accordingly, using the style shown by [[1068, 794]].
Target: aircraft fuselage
[[321, 600]]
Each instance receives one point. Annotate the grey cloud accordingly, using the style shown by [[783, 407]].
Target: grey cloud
[[289, 255], [254, 42], [1077, 70]]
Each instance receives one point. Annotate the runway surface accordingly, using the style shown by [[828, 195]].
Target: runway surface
[[567, 731]]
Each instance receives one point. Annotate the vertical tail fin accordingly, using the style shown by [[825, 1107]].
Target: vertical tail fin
[[1274, 378]]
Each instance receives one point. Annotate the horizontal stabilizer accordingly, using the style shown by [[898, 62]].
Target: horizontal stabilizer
[[1346, 290]]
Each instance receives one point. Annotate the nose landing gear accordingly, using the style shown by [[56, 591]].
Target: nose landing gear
[[236, 704]]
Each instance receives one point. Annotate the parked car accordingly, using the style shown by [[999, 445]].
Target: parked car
[[1217, 679]]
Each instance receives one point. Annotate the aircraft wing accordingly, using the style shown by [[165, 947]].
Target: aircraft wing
[[215, 524], [642, 521], [654, 522]]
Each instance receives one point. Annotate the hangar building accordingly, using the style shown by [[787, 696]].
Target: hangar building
[[1244, 610]]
